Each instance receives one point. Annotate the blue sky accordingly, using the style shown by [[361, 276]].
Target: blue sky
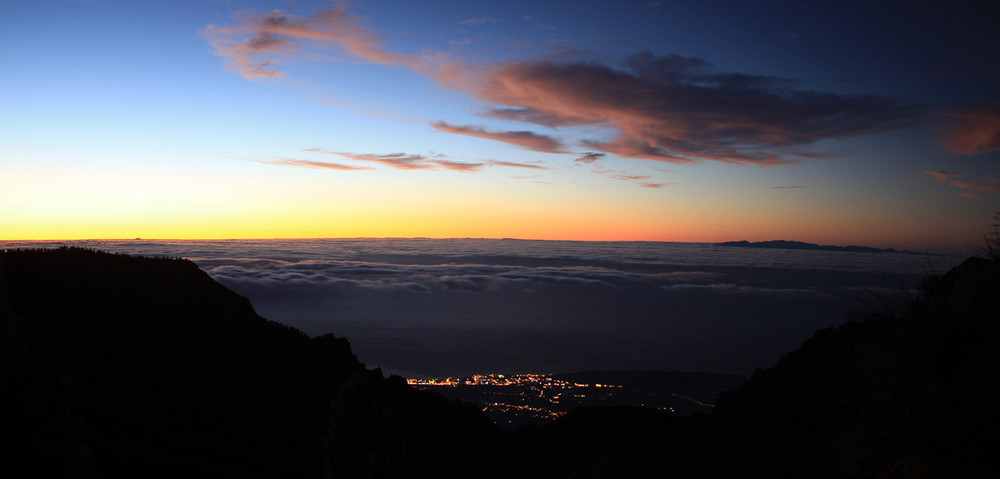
[[835, 122]]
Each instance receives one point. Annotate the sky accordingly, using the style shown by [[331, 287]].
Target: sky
[[874, 123]]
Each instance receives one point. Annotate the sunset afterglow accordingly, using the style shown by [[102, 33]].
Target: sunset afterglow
[[653, 121]]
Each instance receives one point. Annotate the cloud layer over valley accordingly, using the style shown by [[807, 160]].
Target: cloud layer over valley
[[426, 307], [430, 307]]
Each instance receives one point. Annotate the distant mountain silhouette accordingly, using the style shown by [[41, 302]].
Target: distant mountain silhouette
[[785, 244], [119, 366]]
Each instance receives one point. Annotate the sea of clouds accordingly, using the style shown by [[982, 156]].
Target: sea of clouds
[[427, 308]]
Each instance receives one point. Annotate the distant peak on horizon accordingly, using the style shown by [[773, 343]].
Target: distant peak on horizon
[[787, 244]]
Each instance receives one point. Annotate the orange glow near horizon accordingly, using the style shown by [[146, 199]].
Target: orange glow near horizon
[[540, 227], [74, 204]]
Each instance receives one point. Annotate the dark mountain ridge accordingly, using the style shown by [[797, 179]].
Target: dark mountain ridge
[[116, 366], [786, 244]]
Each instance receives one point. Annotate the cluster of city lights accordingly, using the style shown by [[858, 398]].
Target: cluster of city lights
[[503, 397], [521, 380]]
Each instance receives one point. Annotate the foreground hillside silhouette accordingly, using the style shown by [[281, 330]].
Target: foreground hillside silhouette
[[119, 366], [116, 366]]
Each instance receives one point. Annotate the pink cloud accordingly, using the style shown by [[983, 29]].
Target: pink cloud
[[992, 185], [975, 190], [403, 161], [942, 176], [975, 196], [306, 163], [317, 164], [278, 33], [637, 148], [976, 130], [618, 176], [518, 165], [399, 161], [524, 139], [665, 108], [457, 166], [677, 109]]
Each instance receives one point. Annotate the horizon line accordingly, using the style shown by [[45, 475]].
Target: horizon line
[[898, 249]]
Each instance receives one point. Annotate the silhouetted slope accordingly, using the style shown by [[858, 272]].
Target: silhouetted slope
[[911, 391], [120, 366]]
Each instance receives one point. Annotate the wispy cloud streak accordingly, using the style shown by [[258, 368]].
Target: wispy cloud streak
[[404, 161], [303, 163], [518, 165], [596, 163], [974, 190], [457, 165], [317, 164], [524, 139]]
